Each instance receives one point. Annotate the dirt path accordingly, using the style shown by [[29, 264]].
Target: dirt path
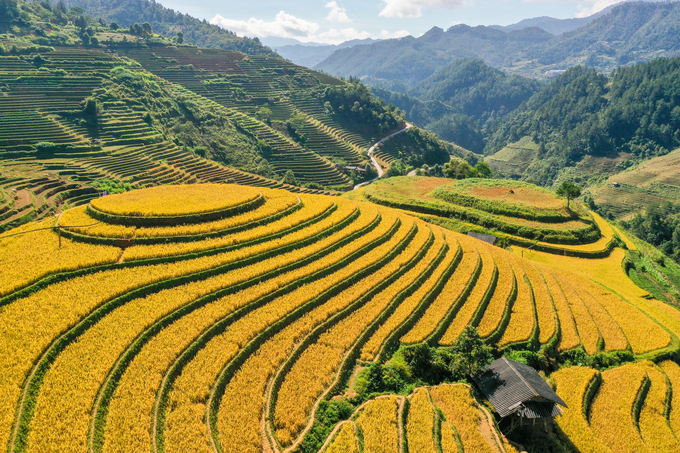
[[375, 161]]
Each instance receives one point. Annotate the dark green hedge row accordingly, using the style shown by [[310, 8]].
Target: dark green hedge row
[[152, 221]]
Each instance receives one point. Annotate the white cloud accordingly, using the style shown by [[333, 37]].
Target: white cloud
[[589, 8], [337, 13], [284, 26], [384, 34], [414, 8], [334, 36]]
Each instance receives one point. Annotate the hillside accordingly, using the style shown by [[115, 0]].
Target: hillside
[[179, 313], [631, 33], [87, 108], [168, 23], [462, 102], [583, 117]]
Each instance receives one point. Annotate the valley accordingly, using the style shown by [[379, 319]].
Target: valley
[[208, 248]]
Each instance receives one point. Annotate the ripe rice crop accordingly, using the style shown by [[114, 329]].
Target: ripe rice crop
[[405, 309], [277, 201], [672, 371], [233, 341], [27, 258], [162, 201], [420, 423], [316, 367], [612, 410], [588, 330], [654, 427], [238, 426], [345, 440], [572, 385], [508, 278], [467, 311], [314, 206], [449, 295], [568, 335], [522, 318], [130, 413], [461, 411], [545, 308], [379, 424]]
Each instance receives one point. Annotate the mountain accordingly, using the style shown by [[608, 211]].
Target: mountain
[[168, 23], [310, 54], [552, 25], [462, 101], [629, 34]]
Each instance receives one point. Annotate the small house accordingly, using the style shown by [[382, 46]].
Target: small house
[[489, 238], [519, 394], [616, 184]]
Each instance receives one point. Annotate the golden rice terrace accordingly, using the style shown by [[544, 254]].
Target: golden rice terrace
[[218, 318]]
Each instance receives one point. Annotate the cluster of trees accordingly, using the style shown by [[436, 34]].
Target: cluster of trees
[[166, 22], [660, 226], [457, 168], [355, 102], [423, 364]]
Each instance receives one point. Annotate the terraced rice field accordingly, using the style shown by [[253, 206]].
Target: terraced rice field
[[628, 408], [223, 325], [444, 418], [654, 181], [529, 216]]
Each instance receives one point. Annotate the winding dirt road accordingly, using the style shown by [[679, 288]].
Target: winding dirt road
[[373, 159]]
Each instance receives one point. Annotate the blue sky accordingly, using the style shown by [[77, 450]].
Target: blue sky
[[335, 21]]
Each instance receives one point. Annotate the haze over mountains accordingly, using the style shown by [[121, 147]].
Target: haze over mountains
[[630, 33]]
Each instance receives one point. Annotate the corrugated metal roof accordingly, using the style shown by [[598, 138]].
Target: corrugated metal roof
[[514, 387], [484, 237]]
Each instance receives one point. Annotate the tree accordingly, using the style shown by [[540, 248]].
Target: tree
[[470, 353], [569, 191], [457, 168], [289, 178], [482, 170], [264, 114], [114, 26], [180, 37], [146, 30]]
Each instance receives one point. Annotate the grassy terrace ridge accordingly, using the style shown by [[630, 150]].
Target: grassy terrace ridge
[[288, 299], [479, 205]]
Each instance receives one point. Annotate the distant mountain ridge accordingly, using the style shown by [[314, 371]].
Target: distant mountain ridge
[[310, 55], [630, 33]]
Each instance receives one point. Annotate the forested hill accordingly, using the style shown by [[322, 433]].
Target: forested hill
[[462, 100], [168, 23], [634, 112], [630, 33]]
